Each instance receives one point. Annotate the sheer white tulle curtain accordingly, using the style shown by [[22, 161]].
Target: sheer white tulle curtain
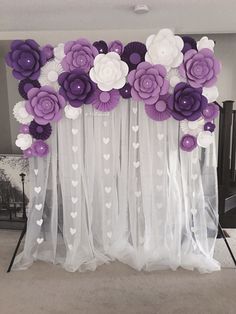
[[116, 186]]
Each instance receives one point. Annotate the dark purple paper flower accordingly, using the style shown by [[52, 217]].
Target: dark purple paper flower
[[40, 132], [101, 46], [133, 54], [24, 128], [210, 112], [48, 51], [76, 87], [116, 46], [79, 54], [189, 43], [200, 68], [40, 148], [209, 126], [159, 111], [187, 102], [105, 101], [45, 104], [125, 91], [148, 82], [26, 59], [188, 142], [25, 85]]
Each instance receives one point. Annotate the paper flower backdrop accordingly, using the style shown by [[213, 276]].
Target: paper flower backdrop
[[173, 76]]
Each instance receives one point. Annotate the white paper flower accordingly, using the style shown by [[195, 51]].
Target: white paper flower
[[174, 78], [72, 112], [109, 71], [204, 42], [59, 53], [49, 74], [211, 93], [205, 138], [192, 127], [24, 141], [21, 114], [164, 48]]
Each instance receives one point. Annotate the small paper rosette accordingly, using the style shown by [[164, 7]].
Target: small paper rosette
[[20, 113], [72, 112], [49, 74], [24, 141]]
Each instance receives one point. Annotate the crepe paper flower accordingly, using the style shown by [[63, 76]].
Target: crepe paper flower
[[211, 93], [101, 46], [40, 148], [72, 112], [125, 91], [48, 51], [209, 126], [28, 153], [105, 101], [200, 68], [159, 111], [109, 72], [133, 54], [25, 85], [148, 82], [24, 128], [192, 127], [116, 46], [24, 141], [79, 54], [210, 112], [187, 102], [58, 52], [21, 114], [204, 42], [189, 43], [45, 104], [188, 142], [205, 139], [76, 87], [165, 49], [26, 59], [49, 74], [40, 132]]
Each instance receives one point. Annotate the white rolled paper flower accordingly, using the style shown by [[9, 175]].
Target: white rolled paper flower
[[49, 74], [109, 71], [21, 114], [59, 53], [204, 42], [24, 141], [164, 48], [192, 127], [205, 139], [72, 112], [211, 93]]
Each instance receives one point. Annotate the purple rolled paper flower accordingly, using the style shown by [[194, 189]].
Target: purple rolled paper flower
[[28, 153], [125, 91], [189, 43], [116, 46], [134, 54], [24, 128], [105, 101], [148, 82], [45, 104], [79, 54], [26, 59], [25, 85], [159, 111], [40, 148], [40, 132], [210, 112], [187, 102], [188, 142], [209, 126], [48, 51], [101, 46], [200, 68], [76, 87]]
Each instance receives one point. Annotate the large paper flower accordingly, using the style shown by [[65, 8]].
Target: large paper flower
[[72, 112], [188, 142], [105, 101], [45, 104], [25, 85], [159, 111], [109, 71], [24, 141], [189, 43], [49, 74], [187, 102], [40, 148], [79, 54], [76, 87], [133, 54], [164, 48], [26, 59], [40, 132], [21, 114], [200, 68], [148, 82]]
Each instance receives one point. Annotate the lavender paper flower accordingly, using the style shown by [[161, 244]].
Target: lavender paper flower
[[25, 85], [105, 101], [133, 54], [40, 132], [210, 112], [188, 142], [159, 111], [116, 46], [40, 148]]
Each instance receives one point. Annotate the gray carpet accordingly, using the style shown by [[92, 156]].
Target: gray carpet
[[111, 289]]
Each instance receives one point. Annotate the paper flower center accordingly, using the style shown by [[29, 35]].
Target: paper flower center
[[135, 58], [52, 76], [188, 142], [39, 129], [160, 106], [147, 83], [104, 97]]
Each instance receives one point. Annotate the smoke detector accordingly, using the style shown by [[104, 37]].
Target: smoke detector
[[141, 9]]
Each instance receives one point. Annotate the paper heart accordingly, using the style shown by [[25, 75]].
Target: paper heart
[[107, 170], [159, 187], [106, 156], [135, 145], [36, 171], [194, 211], [160, 136], [72, 231], [109, 234], [74, 131], [159, 172], [105, 123], [107, 189], [39, 222], [193, 229], [74, 148], [135, 128], [108, 205], [159, 205], [70, 246], [73, 214], [40, 240], [37, 189], [160, 154], [74, 183], [194, 194], [106, 140], [74, 200], [38, 206], [75, 166], [135, 110], [136, 164], [194, 176], [138, 193]]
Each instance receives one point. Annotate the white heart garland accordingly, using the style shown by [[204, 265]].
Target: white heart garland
[[73, 214], [74, 183], [74, 200], [73, 231], [39, 222], [38, 206], [37, 189], [74, 131], [40, 240]]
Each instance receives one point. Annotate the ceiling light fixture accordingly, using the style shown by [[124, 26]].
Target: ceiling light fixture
[[141, 8]]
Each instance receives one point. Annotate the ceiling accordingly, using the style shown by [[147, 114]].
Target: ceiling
[[184, 16]]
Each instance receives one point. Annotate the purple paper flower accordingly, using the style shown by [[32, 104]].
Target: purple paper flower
[[148, 82], [45, 104], [101, 46], [210, 112], [159, 111], [133, 54], [40, 132], [125, 91], [105, 101], [25, 85], [200, 68], [26, 59], [76, 87], [209, 127], [187, 102], [40, 148], [79, 54], [188, 142], [24, 128], [189, 43], [116, 46], [48, 51], [28, 153]]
